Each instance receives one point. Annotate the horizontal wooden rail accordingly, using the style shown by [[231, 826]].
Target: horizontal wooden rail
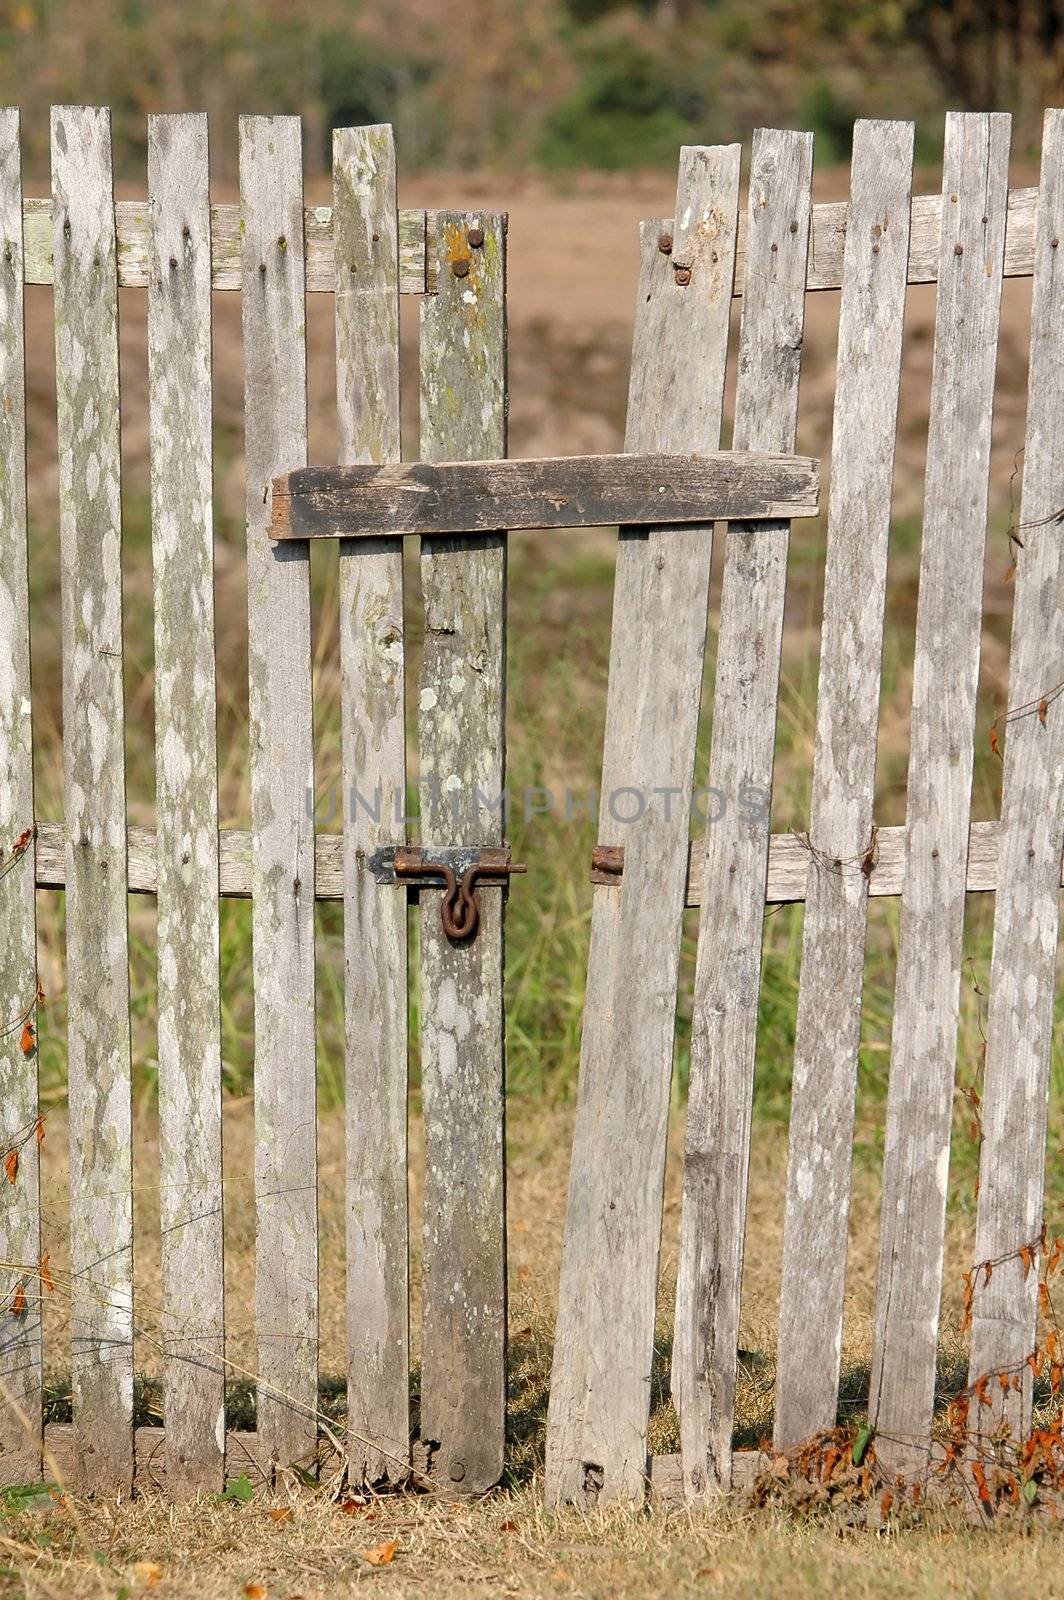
[[417, 250], [417, 246], [788, 863], [554, 492], [828, 240]]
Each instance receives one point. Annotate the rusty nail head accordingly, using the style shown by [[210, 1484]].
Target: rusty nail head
[[683, 276], [475, 236], [665, 243], [460, 267]]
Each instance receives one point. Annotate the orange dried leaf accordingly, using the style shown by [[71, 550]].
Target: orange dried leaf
[[149, 1572], [982, 1390], [41, 997], [995, 748], [45, 1274], [382, 1553], [1044, 1306], [11, 1165], [28, 1042], [507, 1527], [38, 1130], [886, 1502], [1043, 707], [1027, 1257], [280, 1513], [21, 842], [255, 1591], [18, 1300], [1055, 1254], [988, 1272]]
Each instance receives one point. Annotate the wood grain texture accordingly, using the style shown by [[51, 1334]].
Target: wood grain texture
[[374, 764], [924, 1042], [788, 863], [186, 800], [461, 732], [828, 1028], [417, 251], [600, 1386], [1026, 911], [98, 1056], [553, 492], [21, 1353], [133, 224], [728, 966], [282, 776]]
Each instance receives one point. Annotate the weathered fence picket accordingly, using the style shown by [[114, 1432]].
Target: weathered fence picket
[[98, 1046], [841, 846], [1026, 912], [728, 970], [945, 676], [186, 799], [20, 1217], [282, 779], [600, 1388], [461, 712], [374, 789], [462, 500]]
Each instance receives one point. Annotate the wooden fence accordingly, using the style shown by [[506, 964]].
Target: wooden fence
[[273, 250]]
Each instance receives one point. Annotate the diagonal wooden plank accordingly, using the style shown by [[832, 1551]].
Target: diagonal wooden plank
[[828, 1030], [186, 768], [21, 1354], [282, 776], [600, 1386], [945, 679], [461, 722], [90, 533], [374, 787], [1026, 911], [728, 966]]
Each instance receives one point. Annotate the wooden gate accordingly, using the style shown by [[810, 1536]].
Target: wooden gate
[[272, 249], [966, 241]]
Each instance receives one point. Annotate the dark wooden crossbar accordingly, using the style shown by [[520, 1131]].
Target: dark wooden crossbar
[[555, 492]]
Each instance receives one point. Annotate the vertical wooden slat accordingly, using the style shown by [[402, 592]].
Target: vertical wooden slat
[[828, 1030], [600, 1389], [1026, 911], [946, 669], [20, 1221], [190, 1081], [282, 778], [90, 530], [374, 786], [462, 758], [728, 968]]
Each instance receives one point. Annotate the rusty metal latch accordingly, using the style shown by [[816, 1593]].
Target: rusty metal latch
[[457, 869], [607, 863]]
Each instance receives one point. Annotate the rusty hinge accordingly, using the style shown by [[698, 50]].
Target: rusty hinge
[[458, 869]]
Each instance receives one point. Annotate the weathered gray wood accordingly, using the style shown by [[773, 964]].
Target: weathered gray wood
[[20, 1218], [554, 492], [462, 758], [282, 775], [186, 800], [1026, 911], [374, 788], [828, 1030], [600, 1386], [417, 251], [728, 966], [132, 220], [788, 863], [90, 532], [946, 668]]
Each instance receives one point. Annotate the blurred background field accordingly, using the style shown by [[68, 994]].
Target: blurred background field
[[568, 116]]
